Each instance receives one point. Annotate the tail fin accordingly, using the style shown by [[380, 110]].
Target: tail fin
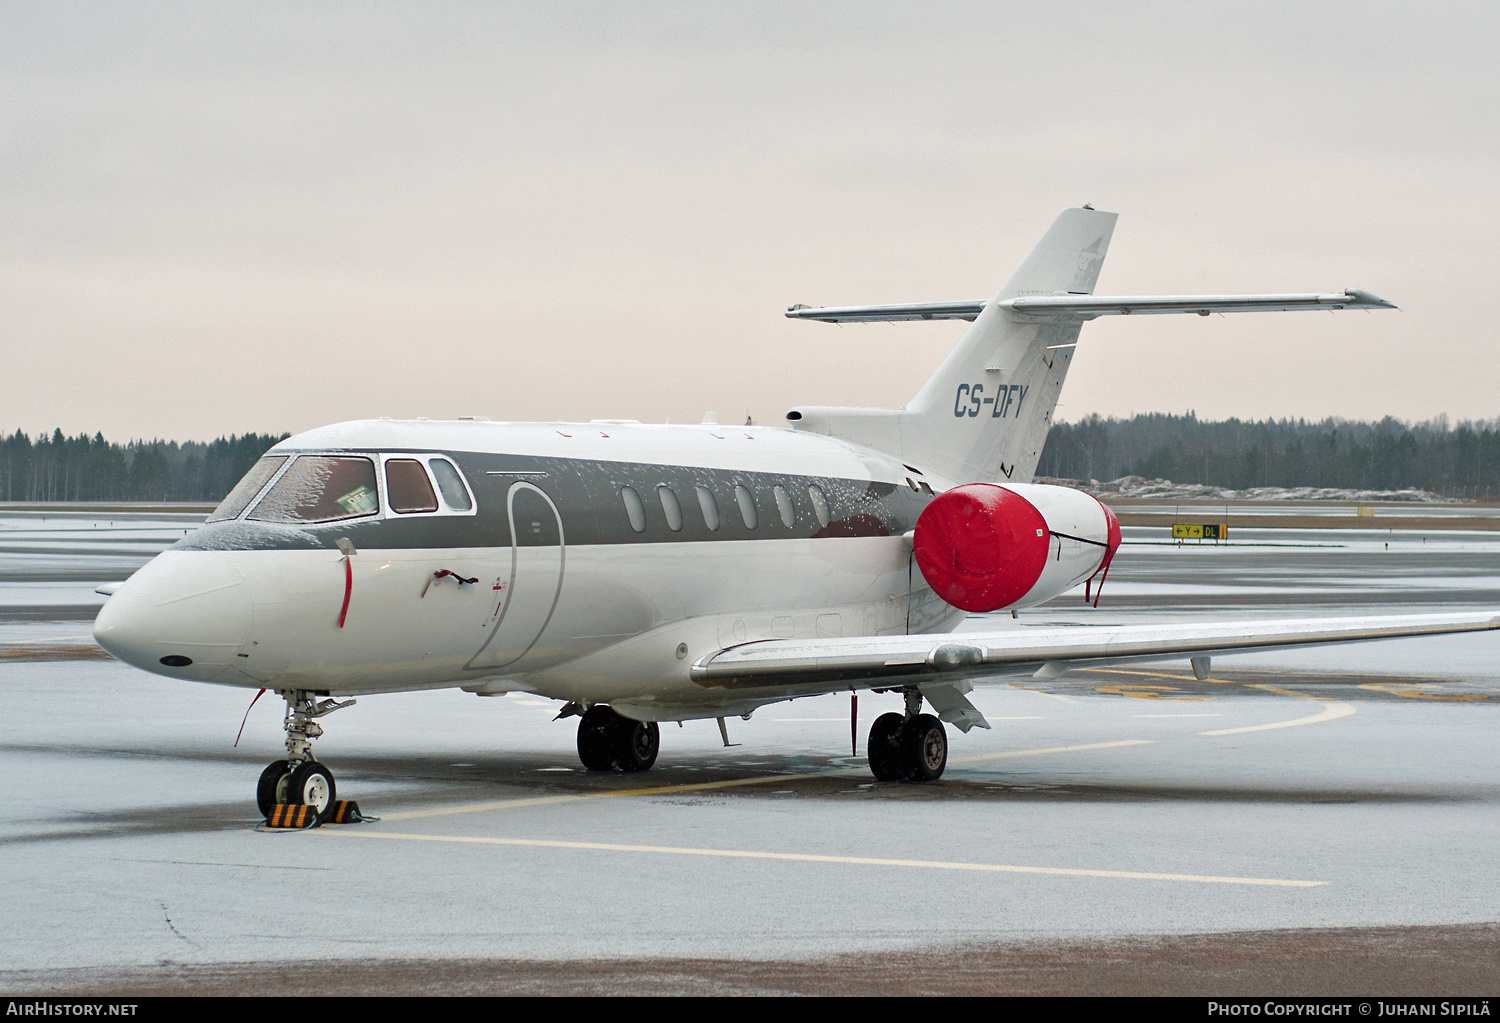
[[985, 413]]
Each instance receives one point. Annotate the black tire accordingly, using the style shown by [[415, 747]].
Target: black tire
[[883, 749], [924, 748], [271, 789], [596, 738], [312, 783], [637, 743]]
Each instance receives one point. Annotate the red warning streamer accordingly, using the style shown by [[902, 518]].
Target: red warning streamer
[[1112, 544], [348, 590], [247, 717]]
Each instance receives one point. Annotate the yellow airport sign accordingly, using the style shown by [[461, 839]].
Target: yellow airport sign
[[1200, 531]]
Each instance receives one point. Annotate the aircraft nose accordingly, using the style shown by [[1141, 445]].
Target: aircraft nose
[[185, 615]]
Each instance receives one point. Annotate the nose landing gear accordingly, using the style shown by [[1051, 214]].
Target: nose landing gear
[[300, 779], [909, 747], [607, 740]]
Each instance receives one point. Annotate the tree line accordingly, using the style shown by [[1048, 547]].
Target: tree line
[[1458, 461], [84, 468]]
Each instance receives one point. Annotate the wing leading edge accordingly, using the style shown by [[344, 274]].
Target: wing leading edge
[[1077, 308]]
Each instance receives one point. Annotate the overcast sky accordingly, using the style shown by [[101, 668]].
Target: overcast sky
[[217, 218]]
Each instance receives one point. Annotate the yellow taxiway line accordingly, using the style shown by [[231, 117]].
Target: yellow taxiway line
[[1050, 696], [1158, 674], [1329, 713], [1053, 749], [1332, 711], [863, 861], [659, 790]]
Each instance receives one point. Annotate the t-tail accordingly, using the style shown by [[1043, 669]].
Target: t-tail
[[985, 413]]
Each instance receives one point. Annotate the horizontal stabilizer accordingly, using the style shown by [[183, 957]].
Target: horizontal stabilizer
[[887, 313], [1077, 308]]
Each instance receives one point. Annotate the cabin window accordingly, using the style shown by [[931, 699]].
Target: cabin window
[[710, 507], [635, 508], [245, 490], [321, 488], [746, 501], [820, 504], [784, 505], [407, 488], [925, 488], [455, 494], [670, 507]]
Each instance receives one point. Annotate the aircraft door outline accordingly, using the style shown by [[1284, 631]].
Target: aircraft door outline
[[509, 600]]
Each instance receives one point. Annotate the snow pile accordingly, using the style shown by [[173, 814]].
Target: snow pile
[[1139, 486]]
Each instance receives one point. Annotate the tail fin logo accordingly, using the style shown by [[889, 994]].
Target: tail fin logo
[[970, 400]]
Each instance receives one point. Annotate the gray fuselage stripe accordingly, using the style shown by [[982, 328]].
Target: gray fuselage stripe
[[587, 494]]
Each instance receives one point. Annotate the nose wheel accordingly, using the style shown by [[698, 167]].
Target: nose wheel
[[300, 779], [909, 747], [312, 784], [609, 741]]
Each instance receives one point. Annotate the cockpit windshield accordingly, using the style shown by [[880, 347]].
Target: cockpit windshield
[[247, 488], [321, 488]]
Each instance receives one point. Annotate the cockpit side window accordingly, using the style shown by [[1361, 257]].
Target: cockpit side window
[[455, 494], [321, 488], [246, 489], [407, 488]]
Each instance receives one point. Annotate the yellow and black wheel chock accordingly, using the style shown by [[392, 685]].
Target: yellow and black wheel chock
[[346, 811], [292, 815], [298, 816]]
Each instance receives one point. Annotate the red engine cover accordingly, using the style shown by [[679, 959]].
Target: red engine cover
[[981, 547], [1112, 536]]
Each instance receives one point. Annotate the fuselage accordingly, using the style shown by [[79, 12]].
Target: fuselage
[[589, 562]]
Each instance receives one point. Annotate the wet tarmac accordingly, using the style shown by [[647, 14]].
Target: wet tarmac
[[1316, 821]]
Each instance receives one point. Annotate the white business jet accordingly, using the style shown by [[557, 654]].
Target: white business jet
[[645, 573]]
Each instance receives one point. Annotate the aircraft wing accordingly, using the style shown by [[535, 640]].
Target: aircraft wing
[[935, 662], [1087, 307]]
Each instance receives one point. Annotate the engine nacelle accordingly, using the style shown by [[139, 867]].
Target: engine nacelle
[[985, 547]]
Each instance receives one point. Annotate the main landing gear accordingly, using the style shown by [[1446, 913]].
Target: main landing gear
[[609, 741], [300, 779], [908, 747]]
